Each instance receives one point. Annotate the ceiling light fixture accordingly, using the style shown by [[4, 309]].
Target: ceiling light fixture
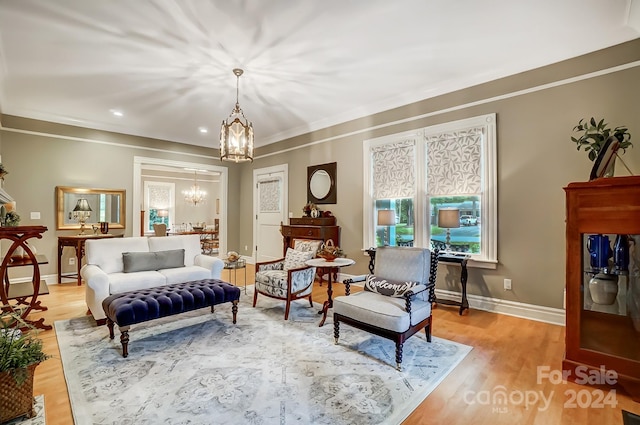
[[236, 137], [203, 130], [117, 113], [194, 195]]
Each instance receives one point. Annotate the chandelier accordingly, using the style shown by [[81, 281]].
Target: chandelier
[[236, 136], [194, 195]]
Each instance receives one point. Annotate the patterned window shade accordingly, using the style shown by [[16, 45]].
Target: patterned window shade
[[269, 195], [454, 163], [159, 196], [394, 170]]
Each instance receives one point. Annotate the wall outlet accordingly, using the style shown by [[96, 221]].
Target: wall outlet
[[507, 284], [72, 261], [35, 215], [246, 248]]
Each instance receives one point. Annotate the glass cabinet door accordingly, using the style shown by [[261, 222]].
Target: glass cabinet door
[[610, 291]]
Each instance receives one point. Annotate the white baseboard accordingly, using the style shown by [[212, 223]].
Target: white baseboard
[[555, 316], [51, 279]]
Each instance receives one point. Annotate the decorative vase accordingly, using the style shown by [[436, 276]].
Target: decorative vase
[[603, 288], [104, 227], [621, 254]]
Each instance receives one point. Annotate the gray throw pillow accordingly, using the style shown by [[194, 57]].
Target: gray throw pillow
[[145, 261]]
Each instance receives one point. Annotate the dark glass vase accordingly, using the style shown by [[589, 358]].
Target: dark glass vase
[[621, 254]]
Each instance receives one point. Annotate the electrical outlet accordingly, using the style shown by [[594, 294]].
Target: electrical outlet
[[246, 247], [507, 284], [72, 261]]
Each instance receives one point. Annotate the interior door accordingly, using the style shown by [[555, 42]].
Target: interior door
[[270, 206]]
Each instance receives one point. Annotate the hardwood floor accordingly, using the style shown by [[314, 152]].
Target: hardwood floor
[[506, 354]]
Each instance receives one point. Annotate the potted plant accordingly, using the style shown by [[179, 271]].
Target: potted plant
[[20, 353], [595, 134]]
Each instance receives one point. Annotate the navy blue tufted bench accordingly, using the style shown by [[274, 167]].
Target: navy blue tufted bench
[[129, 308]]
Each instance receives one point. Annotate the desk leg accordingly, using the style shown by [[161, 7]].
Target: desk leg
[[464, 304], [79, 249], [329, 302], [60, 247]]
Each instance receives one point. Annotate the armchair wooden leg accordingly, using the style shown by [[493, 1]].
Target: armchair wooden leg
[[286, 310], [255, 297], [310, 301], [336, 330], [399, 355]]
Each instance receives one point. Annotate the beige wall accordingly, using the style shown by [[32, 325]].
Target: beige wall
[[37, 164], [536, 159]]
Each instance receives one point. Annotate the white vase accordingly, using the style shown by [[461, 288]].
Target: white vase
[[604, 288]]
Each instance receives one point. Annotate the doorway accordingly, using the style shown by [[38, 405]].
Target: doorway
[[270, 205], [182, 174]]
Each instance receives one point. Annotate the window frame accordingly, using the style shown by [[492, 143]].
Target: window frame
[[488, 202]]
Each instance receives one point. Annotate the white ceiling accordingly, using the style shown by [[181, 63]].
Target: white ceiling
[[167, 64]]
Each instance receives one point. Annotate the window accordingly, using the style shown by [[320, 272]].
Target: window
[[159, 204], [416, 173]]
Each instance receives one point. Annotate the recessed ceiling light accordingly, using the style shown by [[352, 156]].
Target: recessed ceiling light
[[116, 112], [203, 130]]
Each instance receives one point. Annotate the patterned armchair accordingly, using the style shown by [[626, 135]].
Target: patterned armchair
[[287, 279], [396, 301]]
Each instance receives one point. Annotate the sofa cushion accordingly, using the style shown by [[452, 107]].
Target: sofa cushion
[[124, 282], [294, 259], [185, 274], [388, 287], [190, 244], [107, 253], [143, 261]]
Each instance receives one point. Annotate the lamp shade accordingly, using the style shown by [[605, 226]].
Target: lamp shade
[[386, 218], [449, 218], [163, 213], [82, 205]]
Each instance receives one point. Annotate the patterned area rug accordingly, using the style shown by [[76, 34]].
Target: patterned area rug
[[199, 368]]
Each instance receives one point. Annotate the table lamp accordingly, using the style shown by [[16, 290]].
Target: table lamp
[[448, 218], [81, 212], [386, 218]]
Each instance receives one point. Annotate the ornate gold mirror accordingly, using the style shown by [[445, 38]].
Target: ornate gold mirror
[[95, 205]]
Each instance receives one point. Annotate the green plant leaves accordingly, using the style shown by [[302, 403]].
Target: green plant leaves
[[595, 134]]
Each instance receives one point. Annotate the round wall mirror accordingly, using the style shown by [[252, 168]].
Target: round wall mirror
[[320, 184]]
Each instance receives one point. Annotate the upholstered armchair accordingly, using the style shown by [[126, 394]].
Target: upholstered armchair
[[396, 300], [286, 279]]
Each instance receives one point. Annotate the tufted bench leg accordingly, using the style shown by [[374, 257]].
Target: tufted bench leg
[[124, 340]]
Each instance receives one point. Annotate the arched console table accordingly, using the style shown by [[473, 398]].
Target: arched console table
[[23, 297]]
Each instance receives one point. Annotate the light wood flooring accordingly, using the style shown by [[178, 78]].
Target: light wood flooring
[[506, 354]]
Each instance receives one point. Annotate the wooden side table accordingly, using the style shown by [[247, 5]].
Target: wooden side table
[[77, 242], [24, 294], [461, 259], [332, 267]]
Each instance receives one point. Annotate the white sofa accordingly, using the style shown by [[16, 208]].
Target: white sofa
[[104, 273]]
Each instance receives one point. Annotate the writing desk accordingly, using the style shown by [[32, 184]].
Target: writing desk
[[77, 242]]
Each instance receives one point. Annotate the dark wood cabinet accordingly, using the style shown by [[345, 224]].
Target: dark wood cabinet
[[603, 287], [323, 229]]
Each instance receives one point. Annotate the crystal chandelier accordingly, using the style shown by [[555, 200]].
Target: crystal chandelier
[[194, 195], [236, 136]]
